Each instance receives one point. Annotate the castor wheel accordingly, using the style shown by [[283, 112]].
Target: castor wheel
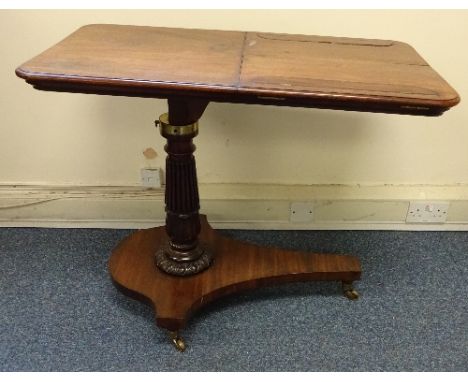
[[349, 291], [178, 342]]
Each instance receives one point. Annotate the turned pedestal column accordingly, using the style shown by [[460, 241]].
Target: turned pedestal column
[[183, 254]]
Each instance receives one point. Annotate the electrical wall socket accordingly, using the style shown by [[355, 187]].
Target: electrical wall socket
[[301, 212], [427, 212], [151, 177]]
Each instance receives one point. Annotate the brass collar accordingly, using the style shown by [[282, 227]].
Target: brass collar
[[167, 129]]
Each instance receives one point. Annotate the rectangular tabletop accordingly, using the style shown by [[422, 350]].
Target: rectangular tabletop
[[242, 67]]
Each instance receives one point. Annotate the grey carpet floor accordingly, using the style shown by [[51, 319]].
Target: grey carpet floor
[[60, 312]]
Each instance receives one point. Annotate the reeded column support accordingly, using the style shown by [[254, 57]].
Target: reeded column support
[[182, 255]]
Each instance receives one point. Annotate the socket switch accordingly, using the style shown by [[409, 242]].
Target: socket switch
[[301, 212], [151, 177]]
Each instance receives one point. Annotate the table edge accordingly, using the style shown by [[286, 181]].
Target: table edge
[[235, 94]]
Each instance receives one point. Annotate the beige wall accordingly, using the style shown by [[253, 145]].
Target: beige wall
[[54, 139]]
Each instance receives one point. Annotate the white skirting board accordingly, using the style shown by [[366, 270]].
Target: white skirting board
[[237, 206]]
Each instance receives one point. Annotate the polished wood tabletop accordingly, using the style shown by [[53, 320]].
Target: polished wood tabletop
[[243, 67]]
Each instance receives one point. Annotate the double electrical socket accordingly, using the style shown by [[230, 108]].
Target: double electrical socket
[[427, 212]]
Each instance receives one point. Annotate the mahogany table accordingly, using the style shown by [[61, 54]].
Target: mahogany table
[[186, 264]]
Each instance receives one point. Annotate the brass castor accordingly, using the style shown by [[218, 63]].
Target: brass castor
[[178, 342], [349, 291]]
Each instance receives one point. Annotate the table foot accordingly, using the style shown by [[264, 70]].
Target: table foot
[[237, 266], [177, 341], [349, 291]]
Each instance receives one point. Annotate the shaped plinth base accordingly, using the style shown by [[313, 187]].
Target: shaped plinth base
[[236, 266]]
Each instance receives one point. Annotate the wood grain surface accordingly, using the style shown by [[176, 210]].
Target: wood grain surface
[[242, 67], [237, 266]]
